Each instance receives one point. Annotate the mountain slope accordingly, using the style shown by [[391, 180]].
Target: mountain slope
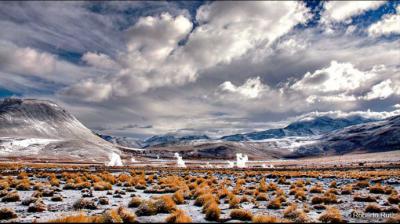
[[42, 129], [314, 126], [376, 136]]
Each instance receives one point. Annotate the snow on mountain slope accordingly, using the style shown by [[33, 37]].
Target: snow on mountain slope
[[38, 128], [376, 136], [305, 127]]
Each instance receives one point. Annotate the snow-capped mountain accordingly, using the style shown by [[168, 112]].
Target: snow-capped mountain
[[123, 141], [164, 140], [306, 127], [376, 136], [43, 130]]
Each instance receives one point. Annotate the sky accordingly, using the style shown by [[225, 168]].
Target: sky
[[139, 68]]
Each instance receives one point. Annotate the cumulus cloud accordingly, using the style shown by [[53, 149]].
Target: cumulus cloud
[[339, 78], [154, 58], [99, 60], [252, 88], [26, 60], [388, 25], [381, 91], [339, 11]]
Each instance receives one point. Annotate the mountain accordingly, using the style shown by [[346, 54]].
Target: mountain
[[42, 130], [166, 140], [122, 141], [305, 127], [376, 136]]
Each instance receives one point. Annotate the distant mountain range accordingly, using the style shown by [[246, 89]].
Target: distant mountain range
[[306, 127], [38, 129]]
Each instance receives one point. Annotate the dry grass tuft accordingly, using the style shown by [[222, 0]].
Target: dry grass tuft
[[7, 213], [11, 197], [331, 215], [178, 197], [178, 216], [213, 212], [241, 214], [373, 208], [135, 202], [84, 203], [147, 208], [265, 219]]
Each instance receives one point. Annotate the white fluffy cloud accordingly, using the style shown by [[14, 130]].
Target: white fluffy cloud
[[252, 88], [337, 78], [390, 24], [26, 60], [381, 91], [226, 31], [339, 11], [99, 60]]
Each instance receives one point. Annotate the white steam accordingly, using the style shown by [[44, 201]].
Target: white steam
[[115, 160], [179, 160], [241, 160]]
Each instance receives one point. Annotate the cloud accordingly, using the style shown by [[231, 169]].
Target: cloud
[[26, 60], [99, 60], [381, 91], [252, 88], [388, 25], [155, 58], [339, 78], [339, 11]]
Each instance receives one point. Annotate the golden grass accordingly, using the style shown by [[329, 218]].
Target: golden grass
[[7, 213], [373, 208], [11, 197], [241, 214], [178, 216], [331, 215], [265, 219], [213, 212], [178, 197], [134, 202]]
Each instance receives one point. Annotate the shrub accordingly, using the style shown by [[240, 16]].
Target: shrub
[[241, 214], [11, 197], [234, 202], [213, 212], [297, 215], [7, 213], [265, 219], [146, 208], [331, 215], [38, 206], [178, 197], [364, 198], [301, 195], [373, 208], [126, 215], [377, 189], [57, 197], [348, 189], [316, 189], [202, 199], [102, 186], [327, 198], [274, 204], [393, 219], [135, 202], [84, 203], [262, 197], [4, 185], [333, 184], [362, 184], [178, 216], [394, 199], [103, 200], [165, 204], [110, 216], [80, 218], [29, 200], [24, 185]]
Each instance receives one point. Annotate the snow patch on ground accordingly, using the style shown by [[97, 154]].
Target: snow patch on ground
[[8, 145]]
